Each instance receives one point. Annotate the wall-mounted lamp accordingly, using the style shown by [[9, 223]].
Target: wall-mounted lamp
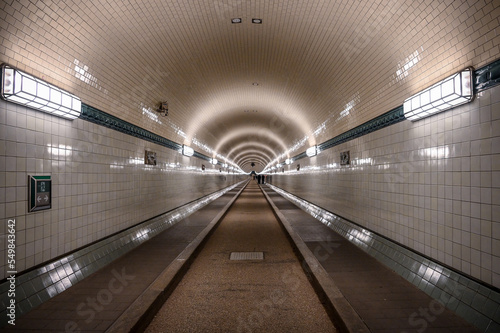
[[312, 151], [163, 109], [288, 161], [187, 151], [214, 161], [446, 94], [21, 88]]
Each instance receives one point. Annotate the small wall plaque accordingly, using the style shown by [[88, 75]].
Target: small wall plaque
[[149, 157], [40, 193], [345, 158]]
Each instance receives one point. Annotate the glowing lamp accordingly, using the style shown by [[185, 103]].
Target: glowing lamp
[[187, 151], [21, 88], [444, 95]]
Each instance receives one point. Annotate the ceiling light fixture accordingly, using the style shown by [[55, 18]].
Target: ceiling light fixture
[[187, 151], [256, 21], [21, 88], [312, 151], [444, 95], [236, 20], [214, 161]]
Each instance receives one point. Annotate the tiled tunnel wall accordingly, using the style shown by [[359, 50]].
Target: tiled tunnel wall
[[100, 182], [431, 185]]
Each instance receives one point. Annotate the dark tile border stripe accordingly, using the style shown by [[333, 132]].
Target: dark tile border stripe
[[487, 77], [484, 78]]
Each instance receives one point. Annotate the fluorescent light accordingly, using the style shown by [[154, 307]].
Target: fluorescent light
[[444, 95], [187, 151], [236, 20], [214, 161], [256, 21], [311, 151], [21, 88]]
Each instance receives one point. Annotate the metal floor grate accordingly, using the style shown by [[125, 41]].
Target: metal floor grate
[[247, 256]]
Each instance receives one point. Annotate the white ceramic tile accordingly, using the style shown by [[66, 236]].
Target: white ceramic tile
[[465, 189], [86, 186]]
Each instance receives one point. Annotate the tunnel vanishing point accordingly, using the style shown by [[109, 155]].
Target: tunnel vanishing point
[[140, 138]]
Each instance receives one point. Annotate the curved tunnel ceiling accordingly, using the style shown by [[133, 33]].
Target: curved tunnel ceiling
[[311, 70]]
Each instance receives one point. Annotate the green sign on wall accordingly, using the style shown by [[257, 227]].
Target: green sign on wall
[[40, 190]]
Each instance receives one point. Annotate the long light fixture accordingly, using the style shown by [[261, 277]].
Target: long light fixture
[[312, 151], [187, 151], [21, 88], [444, 95]]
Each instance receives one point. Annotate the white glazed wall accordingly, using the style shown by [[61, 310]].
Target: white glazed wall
[[99, 181], [431, 185]]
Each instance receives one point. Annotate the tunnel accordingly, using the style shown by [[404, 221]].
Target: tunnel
[[250, 166]]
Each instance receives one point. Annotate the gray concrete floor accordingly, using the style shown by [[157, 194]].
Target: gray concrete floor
[[220, 295]]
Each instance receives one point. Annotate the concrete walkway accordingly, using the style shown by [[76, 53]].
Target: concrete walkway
[[222, 295]]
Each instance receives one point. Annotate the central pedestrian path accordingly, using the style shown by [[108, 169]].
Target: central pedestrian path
[[218, 294]]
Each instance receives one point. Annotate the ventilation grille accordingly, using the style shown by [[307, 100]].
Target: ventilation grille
[[247, 256]]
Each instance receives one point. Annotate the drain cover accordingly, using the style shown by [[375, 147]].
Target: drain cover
[[247, 256]]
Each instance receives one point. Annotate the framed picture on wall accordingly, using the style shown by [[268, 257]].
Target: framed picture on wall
[[345, 158]]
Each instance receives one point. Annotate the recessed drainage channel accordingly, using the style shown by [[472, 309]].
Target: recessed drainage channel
[[247, 256]]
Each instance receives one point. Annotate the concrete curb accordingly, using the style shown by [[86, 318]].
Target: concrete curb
[[345, 318], [139, 314]]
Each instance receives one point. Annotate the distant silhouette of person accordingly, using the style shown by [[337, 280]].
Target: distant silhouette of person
[[258, 179], [263, 179]]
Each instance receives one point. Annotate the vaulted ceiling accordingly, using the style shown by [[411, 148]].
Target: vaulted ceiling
[[249, 92]]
